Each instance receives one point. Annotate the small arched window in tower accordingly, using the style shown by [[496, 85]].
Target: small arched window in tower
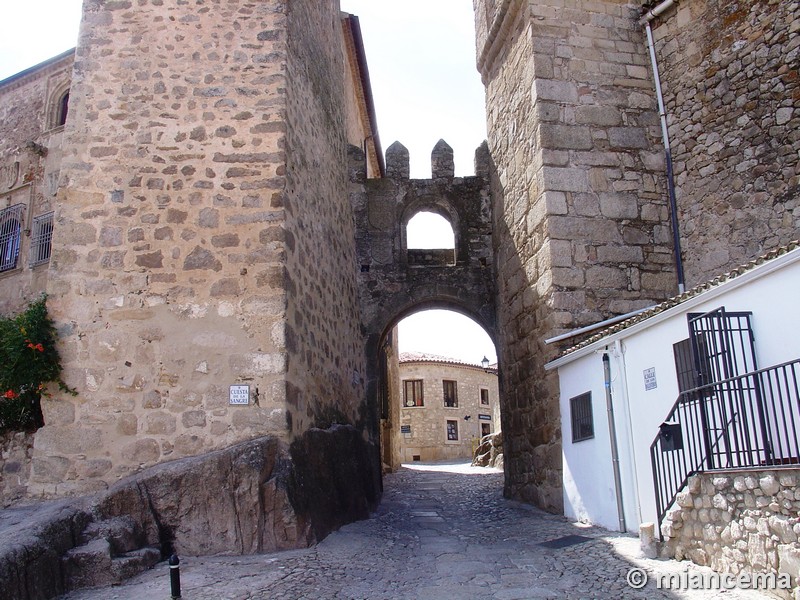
[[430, 240], [63, 108]]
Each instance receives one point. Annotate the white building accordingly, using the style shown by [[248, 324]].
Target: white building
[[647, 355]]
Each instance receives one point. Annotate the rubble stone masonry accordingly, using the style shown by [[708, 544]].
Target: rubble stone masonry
[[740, 522], [323, 331], [581, 220], [730, 73], [204, 241], [166, 277]]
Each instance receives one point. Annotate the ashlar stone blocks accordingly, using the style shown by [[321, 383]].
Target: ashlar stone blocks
[[572, 134]]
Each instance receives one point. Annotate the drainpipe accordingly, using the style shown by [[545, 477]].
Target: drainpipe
[[673, 205], [619, 354], [612, 432]]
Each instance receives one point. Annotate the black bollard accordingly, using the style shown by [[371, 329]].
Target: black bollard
[[175, 576]]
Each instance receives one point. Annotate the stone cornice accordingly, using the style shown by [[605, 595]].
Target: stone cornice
[[502, 25], [45, 68]]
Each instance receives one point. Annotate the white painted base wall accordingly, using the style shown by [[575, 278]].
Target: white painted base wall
[[770, 291]]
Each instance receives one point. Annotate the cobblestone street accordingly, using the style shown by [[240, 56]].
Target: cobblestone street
[[441, 532]]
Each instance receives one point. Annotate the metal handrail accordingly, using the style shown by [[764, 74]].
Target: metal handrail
[[744, 421]]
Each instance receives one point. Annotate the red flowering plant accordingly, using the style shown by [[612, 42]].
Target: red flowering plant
[[28, 362]]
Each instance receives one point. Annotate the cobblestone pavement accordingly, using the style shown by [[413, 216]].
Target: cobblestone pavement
[[441, 532]]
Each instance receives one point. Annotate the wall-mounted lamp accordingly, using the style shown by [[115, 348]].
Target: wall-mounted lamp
[[485, 363]]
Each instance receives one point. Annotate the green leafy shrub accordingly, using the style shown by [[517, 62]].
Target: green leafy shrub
[[28, 362]]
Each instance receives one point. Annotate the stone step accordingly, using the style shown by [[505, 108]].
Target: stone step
[[92, 564], [122, 533], [88, 565], [133, 563]]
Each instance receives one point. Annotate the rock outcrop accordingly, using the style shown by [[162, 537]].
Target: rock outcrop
[[490, 451], [257, 496]]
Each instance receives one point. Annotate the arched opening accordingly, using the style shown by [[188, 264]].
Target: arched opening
[[427, 230], [439, 391], [58, 104], [430, 240], [62, 109]]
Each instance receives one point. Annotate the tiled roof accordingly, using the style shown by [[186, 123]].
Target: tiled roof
[[676, 300], [406, 357]]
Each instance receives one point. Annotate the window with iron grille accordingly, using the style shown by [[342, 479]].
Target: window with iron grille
[[452, 430], [484, 396], [688, 367], [41, 239], [412, 389], [685, 365], [581, 413], [450, 394], [10, 230]]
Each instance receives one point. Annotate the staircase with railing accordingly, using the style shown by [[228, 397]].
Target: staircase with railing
[[749, 420]]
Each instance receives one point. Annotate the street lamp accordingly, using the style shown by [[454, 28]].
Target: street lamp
[[485, 363]]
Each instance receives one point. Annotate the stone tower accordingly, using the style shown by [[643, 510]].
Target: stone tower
[[581, 220], [205, 240]]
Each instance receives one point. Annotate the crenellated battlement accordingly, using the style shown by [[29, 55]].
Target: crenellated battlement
[[442, 161]]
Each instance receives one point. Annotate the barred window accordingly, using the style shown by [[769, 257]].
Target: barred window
[[450, 394], [685, 365], [41, 238], [10, 230], [413, 392], [581, 413]]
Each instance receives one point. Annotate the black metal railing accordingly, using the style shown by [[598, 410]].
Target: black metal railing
[[751, 420]]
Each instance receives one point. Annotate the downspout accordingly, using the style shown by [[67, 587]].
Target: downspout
[[619, 353], [673, 205], [612, 432]]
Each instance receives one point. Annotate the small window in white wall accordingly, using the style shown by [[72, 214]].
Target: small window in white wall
[[581, 417]]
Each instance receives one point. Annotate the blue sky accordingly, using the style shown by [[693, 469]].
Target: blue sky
[[421, 57]]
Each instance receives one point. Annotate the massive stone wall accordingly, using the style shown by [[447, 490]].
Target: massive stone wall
[[30, 157], [730, 73], [163, 278], [326, 367], [581, 221], [16, 449], [326, 359], [205, 239]]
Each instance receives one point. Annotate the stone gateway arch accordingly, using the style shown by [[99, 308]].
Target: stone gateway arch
[[222, 217], [395, 281]]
